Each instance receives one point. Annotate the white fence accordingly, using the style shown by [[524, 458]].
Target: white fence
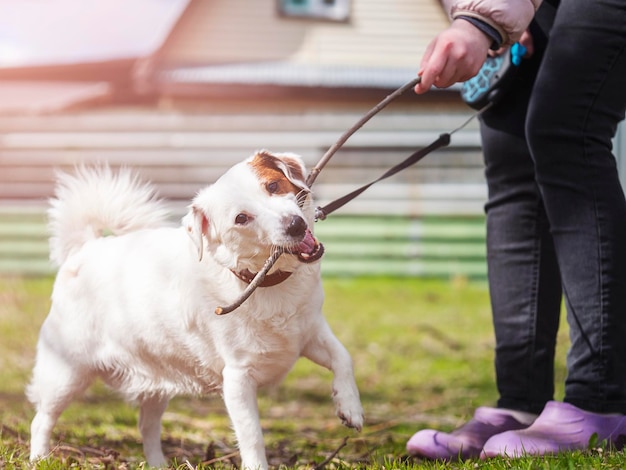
[[426, 220]]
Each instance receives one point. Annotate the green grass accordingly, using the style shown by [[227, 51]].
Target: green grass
[[422, 351]]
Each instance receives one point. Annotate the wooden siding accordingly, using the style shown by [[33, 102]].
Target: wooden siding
[[378, 34], [425, 221]]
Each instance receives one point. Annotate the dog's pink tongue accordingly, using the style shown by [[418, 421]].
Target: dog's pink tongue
[[308, 244]]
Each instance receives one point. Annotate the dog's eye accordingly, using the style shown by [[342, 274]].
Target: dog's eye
[[241, 219], [272, 187]]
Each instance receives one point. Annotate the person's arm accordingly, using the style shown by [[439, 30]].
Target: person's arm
[[457, 53]]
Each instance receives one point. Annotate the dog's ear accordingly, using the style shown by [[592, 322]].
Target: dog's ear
[[197, 224], [290, 165]]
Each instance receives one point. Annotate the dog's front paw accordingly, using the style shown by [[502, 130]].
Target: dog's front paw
[[351, 415]]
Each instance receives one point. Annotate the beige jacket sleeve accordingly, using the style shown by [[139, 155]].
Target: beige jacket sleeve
[[509, 17]]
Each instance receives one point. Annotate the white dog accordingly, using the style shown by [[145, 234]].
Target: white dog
[[137, 308]]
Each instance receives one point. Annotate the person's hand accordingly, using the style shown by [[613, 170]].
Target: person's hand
[[455, 55], [525, 40]]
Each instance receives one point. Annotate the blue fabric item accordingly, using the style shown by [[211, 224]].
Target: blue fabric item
[[517, 53]]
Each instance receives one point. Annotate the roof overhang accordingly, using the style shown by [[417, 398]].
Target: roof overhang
[[280, 79], [49, 97]]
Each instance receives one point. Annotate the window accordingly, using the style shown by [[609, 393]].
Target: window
[[334, 10]]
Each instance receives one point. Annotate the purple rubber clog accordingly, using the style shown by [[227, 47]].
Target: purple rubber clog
[[560, 427], [466, 441]]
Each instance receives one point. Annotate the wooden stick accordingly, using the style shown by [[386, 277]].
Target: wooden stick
[[258, 279], [218, 459], [344, 138], [333, 455]]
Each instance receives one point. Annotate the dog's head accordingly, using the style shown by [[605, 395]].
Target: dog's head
[[256, 206]]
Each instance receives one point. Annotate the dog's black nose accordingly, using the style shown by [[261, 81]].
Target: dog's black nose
[[297, 227]]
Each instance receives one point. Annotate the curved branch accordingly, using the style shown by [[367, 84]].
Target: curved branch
[[258, 279]]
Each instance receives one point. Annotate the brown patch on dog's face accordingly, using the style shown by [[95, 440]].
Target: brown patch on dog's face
[[272, 177]]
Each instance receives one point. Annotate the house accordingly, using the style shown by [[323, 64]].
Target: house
[[182, 89]]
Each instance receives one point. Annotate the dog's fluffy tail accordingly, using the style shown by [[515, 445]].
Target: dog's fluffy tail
[[96, 202]]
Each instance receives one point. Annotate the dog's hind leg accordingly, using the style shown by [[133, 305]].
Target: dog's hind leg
[[326, 350], [239, 391], [150, 414], [54, 384]]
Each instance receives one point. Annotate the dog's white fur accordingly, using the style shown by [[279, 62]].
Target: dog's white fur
[[136, 308]]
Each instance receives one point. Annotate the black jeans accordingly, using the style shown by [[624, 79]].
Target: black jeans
[[556, 213]]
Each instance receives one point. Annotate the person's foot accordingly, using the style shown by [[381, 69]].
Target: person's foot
[[559, 427], [467, 441]]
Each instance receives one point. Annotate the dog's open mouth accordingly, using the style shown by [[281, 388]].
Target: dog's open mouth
[[309, 249]]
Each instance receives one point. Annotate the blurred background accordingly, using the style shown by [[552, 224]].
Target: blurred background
[[183, 89]]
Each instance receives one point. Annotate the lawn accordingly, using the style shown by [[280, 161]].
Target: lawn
[[423, 358]]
